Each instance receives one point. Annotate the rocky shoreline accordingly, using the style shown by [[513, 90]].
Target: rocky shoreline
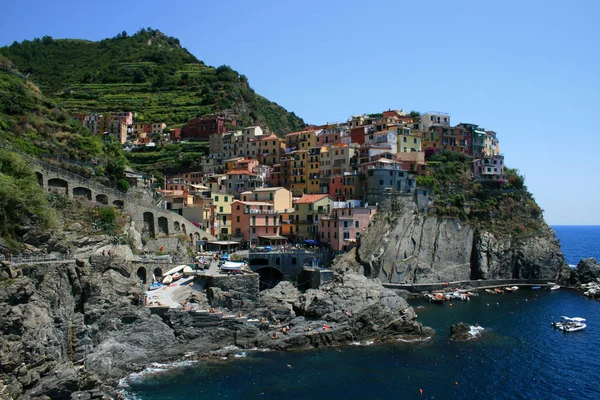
[[73, 330]]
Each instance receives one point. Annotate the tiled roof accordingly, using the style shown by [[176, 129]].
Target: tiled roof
[[310, 198], [239, 172]]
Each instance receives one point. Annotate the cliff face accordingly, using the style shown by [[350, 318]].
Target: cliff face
[[418, 248]]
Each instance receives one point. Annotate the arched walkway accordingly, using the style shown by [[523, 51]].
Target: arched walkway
[[149, 223], [141, 274], [40, 178], [163, 225], [176, 226], [82, 192], [58, 185], [102, 198], [157, 272]]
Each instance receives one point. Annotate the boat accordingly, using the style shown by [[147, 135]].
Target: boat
[[435, 298], [514, 288], [176, 269], [232, 266], [167, 280], [156, 285], [567, 324], [187, 269], [554, 287], [508, 289], [490, 291], [177, 276], [536, 287], [498, 290]]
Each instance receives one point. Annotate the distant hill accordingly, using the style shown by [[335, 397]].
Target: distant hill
[[148, 73]]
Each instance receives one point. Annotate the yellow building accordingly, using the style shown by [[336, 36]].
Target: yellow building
[[230, 164], [313, 169], [222, 206], [303, 140], [308, 210], [298, 172], [268, 149], [281, 198], [409, 140]]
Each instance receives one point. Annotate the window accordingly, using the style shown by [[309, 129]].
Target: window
[[266, 220], [270, 196], [226, 199], [356, 224], [237, 208], [405, 139], [345, 224], [253, 220], [253, 230], [216, 198], [220, 209], [346, 235], [381, 182]]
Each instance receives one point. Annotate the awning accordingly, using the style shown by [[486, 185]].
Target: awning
[[225, 242], [273, 237]]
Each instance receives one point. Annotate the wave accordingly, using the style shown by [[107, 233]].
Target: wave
[[425, 339]]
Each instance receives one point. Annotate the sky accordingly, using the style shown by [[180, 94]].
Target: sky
[[526, 69]]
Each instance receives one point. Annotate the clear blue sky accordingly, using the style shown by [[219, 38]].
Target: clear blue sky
[[525, 69]]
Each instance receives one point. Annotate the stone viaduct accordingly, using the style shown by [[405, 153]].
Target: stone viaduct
[[154, 221]]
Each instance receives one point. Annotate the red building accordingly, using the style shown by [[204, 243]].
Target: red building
[[201, 128]]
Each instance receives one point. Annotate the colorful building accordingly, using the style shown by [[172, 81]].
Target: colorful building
[[308, 210], [256, 222], [342, 228]]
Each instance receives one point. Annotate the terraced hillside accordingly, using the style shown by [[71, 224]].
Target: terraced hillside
[[148, 73]]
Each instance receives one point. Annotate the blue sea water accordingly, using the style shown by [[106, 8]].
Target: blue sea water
[[578, 242], [519, 355]]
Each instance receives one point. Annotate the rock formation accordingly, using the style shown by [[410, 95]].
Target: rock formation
[[587, 271], [461, 331], [414, 247]]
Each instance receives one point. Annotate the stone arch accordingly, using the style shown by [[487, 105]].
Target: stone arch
[[149, 223], [176, 226], [141, 274], [40, 178], [269, 277], [118, 203], [184, 228], [157, 272], [191, 236], [102, 198], [58, 185], [163, 225], [83, 192]]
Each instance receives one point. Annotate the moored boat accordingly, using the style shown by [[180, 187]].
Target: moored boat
[[536, 287], [156, 285], [177, 276], [570, 324], [498, 290], [167, 280], [554, 287], [508, 289], [490, 291], [514, 288]]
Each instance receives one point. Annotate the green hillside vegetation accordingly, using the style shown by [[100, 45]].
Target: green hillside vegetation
[[22, 200], [502, 207], [171, 159], [32, 125], [148, 73]]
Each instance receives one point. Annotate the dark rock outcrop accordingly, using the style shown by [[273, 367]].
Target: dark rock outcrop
[[587, 270], [417, 248], [462, 332]]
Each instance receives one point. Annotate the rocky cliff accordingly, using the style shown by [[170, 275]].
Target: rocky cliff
[[414, 247], [73, 329]]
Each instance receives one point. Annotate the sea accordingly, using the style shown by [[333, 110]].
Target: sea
[[518, 355]]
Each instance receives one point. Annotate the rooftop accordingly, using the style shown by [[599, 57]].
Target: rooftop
[[310, 198]]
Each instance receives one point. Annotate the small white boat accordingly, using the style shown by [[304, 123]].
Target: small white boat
[[232, 266], [554, 287], [176, 269], [167, 280], [514, 288], [570, 324], [177, 276]]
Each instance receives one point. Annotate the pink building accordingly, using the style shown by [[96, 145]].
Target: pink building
[[256, 222], [344, 225]]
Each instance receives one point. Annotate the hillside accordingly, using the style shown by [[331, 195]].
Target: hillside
[[33, 125], [148, 73]]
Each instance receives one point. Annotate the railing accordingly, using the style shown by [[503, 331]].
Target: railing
[[41, 259]]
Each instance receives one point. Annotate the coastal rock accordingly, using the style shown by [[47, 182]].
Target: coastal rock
[[419, 248], [587, 270], [462, 331]]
